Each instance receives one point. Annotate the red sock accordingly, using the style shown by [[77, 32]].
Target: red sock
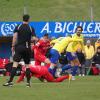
[[62, 78], [21, 78]]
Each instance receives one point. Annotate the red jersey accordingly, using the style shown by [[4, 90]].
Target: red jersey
[[38, 71], [42, 46], [42, 71]]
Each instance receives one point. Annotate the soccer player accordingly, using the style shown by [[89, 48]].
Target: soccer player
[[78, 35], [40, 50], [42, 71], [71, 52], [57, 49], [52, 42]]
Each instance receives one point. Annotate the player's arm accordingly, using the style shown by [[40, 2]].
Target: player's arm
[[14, 39], [38, 44], [34, 38]]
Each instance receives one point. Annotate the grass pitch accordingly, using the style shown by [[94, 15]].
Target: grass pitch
[[49, 10], [83, 88]]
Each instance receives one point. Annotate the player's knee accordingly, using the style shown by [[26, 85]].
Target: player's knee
[[15, 64], [77, 63]]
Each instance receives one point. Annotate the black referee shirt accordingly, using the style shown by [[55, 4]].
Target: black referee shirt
[[25, 32]]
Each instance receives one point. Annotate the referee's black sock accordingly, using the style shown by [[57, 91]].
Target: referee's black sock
[[28, 75], [13, 72]]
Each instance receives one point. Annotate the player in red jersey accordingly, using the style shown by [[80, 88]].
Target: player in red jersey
[[40, 50], [42, 71]]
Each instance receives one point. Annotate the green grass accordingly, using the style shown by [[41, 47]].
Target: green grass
[[49, 10], [83, 88]]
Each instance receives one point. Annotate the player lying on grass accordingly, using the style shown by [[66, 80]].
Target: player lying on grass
[[42, 71]]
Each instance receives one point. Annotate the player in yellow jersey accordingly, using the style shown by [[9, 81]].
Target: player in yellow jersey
[[71, 51], [73, 46], [56, 40], [58, 48]]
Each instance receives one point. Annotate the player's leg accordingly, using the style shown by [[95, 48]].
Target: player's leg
[[13, 72], [49, 77], [16, 58], [26, 57], [74, 62], [70, 60], [75, 67], [54, 59], [21, 77], [62, 78], [66, 67]]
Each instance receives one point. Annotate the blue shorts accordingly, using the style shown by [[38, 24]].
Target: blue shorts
[[71, 56], [54, 56]]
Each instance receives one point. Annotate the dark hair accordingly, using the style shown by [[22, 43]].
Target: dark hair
[[98, 47], [26, 18], [79, 27], [46, 34]]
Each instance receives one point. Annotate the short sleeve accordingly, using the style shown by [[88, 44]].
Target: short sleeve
[[16, 29]]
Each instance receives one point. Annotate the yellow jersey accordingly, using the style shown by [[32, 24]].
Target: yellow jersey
[[61, 45], [56, 40], [73, 46]]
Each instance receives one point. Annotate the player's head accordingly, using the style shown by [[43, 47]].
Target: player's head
[[26, 18], [98, 40], [46, 36], [79, 30]]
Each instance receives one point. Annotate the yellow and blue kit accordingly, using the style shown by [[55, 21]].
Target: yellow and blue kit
[[73, 46], [59, 47]]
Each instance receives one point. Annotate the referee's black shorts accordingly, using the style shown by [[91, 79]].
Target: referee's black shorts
[[21, 52]]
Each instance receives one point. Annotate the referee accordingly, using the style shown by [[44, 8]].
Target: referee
[[21, 46]]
